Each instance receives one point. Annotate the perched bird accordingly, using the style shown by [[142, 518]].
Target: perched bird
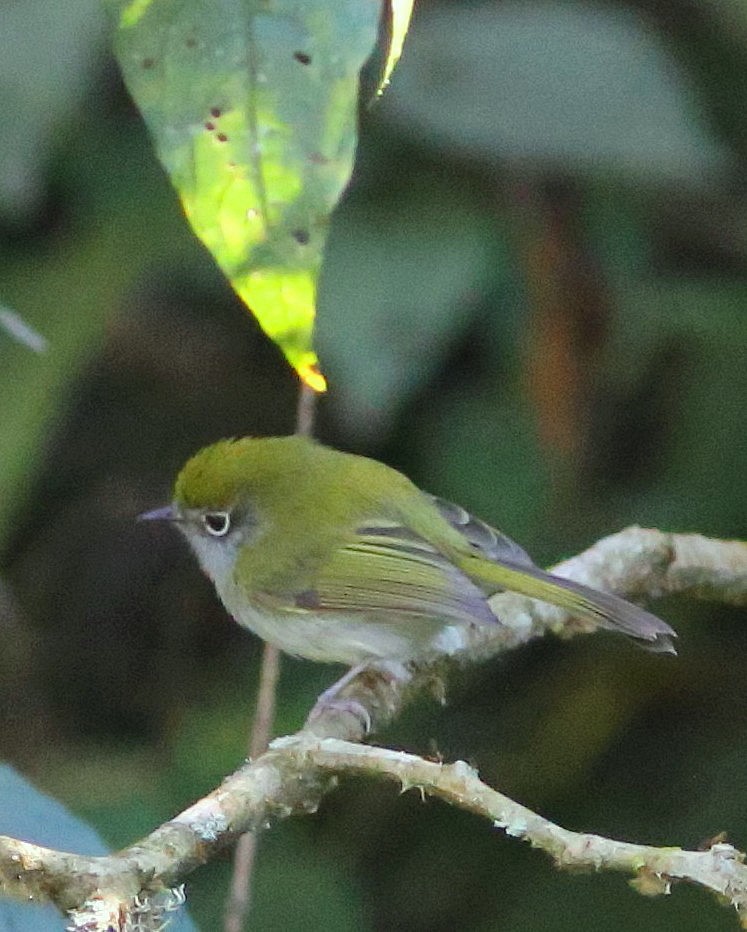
[[339, 558]]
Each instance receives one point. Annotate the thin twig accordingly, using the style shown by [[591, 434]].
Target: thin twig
[[305, 410], [240, 897], [245, 854]]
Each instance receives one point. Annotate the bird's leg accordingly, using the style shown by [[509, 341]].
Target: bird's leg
[[332, 700]]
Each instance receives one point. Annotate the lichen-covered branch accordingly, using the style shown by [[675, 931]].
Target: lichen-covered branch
[[638, 563], [645, 563], [295, 773], [719, 869]]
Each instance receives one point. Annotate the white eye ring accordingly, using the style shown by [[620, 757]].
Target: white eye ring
[[217, 523]]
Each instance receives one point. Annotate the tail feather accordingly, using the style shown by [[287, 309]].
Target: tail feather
[[607, 610]]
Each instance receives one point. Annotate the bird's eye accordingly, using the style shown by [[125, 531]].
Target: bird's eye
[[217, 523]]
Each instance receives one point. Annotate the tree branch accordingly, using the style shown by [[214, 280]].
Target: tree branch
[[719, 869], [636, 563], [295, 773]]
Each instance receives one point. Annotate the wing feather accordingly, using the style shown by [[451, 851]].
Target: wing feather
[[388, 570], [490, 543], [521, 574], [389, 574]]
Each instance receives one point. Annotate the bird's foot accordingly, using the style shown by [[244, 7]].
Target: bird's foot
[[334, 700], [337, 705], [331, 701]]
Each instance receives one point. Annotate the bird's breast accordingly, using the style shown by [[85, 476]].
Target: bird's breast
[[352, 638]]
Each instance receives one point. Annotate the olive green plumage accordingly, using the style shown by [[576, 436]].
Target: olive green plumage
[[338, 557]]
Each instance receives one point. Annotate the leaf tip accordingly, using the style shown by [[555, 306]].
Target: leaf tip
[[311, 376]]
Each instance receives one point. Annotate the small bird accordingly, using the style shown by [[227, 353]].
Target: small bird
[[339, 558]]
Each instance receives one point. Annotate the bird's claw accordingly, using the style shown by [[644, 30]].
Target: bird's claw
[[328, 703]]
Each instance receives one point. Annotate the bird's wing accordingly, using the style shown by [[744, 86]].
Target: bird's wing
[[386, 569], [489, 543], [510, 567]]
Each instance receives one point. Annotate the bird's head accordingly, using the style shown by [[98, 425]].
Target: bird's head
[[216, 504]]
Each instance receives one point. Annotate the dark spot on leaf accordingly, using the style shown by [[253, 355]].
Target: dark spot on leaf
[[300, 236], [190, 42], [221, 137], [215, 112], [210, 126], [148, 62], [317, 158], [302, 57]]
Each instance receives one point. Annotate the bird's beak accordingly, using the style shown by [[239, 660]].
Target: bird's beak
[[167, 513]]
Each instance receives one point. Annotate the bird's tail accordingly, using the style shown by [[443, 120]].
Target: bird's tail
[[607, 610]]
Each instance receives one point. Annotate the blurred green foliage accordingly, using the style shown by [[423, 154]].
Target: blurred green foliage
[[553, 335]]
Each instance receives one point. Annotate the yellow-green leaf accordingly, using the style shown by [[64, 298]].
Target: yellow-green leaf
[[253, 108], [399, 13]]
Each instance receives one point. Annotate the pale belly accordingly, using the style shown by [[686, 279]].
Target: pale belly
[[337, 638]]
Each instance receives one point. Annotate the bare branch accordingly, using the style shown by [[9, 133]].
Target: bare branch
[[642, 562], [636, 563], [719, 869]]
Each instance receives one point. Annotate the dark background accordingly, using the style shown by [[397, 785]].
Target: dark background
[[533, 304]]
